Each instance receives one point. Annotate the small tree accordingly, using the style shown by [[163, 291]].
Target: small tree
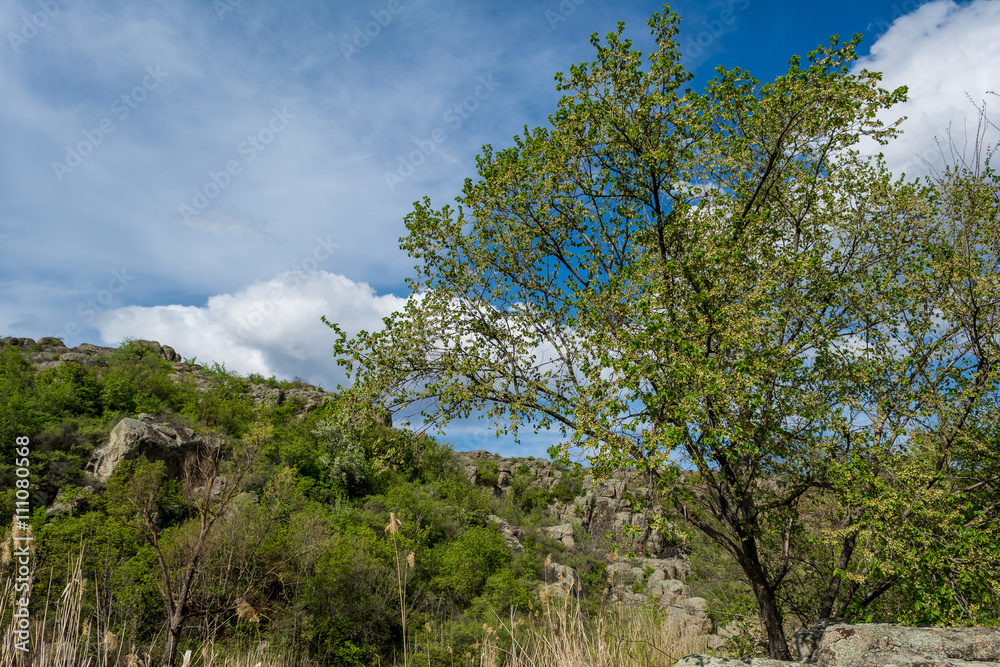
[[211, 481]]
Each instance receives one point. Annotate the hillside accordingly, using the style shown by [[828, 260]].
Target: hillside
[[332, 540]]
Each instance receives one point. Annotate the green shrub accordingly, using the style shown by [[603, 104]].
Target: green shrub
[[465, 564], [352, 600], [68, 389], [135, 379], [487, 473], [569, 486], [348, 470], [529, 494], [19, 413]]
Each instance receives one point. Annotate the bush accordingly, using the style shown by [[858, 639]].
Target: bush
[[19, 415], [352, 600], [487, 473], [349, 470], [135, 380], [68, 390], [528, 493], [569, 486], [465, 564]]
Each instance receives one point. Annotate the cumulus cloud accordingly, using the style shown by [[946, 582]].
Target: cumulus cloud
[[946, 54], [270, 328]]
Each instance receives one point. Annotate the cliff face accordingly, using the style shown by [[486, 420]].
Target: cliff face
[[614, 504]]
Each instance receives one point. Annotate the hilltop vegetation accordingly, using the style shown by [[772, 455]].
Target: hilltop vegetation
[[300, 556]]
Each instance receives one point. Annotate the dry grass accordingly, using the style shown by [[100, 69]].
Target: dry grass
[[62, 637], [558, 634]]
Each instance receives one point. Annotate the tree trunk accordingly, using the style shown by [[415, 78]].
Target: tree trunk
[[826, 609], [770, 613], [180, 610], [173, 638]]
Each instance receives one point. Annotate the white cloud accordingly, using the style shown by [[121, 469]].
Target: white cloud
[[271, 328], [944, 53]]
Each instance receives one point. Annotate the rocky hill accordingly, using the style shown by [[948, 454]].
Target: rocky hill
[[50, 352], [566, 534], [604, 518]]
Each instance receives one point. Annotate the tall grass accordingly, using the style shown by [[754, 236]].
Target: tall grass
[[62, 636], [555, 633], [558, 634]]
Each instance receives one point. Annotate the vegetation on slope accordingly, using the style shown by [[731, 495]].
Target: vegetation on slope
[[301, 558]]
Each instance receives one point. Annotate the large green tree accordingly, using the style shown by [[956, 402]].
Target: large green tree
[[717, 288]]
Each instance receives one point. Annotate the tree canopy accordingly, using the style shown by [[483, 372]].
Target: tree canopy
[[719, 289]]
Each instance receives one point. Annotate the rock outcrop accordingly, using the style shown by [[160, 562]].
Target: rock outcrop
[[600, 505], [561, 533], [512, 535], [49, 352], [146, 436], [306, 397], [562, 581], [882, 645], [879, 644]]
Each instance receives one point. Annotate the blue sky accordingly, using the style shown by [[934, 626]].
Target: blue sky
[[219, 175]]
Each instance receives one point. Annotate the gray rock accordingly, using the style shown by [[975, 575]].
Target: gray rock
[[310, 398], [512, 535], [261, 394], [610, 488], [668, 592], [41, 357], [714, 661], [876, 644], [691, 615], [805, 642], [882, 645], [78, 357], [145, 436], [562, 581], [93, 350], [562, 532]]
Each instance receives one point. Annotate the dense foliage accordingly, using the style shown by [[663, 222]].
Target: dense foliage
[[301, 558]]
